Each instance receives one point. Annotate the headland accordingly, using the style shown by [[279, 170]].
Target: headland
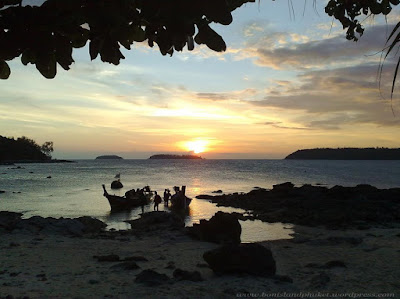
[[346, 154]]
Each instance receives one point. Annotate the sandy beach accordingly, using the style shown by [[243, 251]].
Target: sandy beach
[[316, 261]]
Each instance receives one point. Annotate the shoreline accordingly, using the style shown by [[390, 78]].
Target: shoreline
[[41, 263], [13, 162]]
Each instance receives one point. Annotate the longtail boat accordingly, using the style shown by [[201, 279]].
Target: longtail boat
[[130, 201], [179, 200]]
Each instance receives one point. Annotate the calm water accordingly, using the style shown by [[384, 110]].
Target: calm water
[[75, 188]]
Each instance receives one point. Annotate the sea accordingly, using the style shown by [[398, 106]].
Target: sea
[[74, 189]]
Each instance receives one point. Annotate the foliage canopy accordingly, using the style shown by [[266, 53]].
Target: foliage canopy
[[46, 35], [24, 148]]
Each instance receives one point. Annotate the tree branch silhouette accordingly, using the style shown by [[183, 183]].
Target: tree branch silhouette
[[46, 35]]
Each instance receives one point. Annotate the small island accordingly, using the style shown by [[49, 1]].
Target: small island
[[109, 157], [346, 154], [164, 156]]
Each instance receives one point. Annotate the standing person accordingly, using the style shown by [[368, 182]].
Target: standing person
[[157, 200], [167, 196]]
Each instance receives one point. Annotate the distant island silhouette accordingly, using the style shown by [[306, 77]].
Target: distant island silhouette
[[346, 154], [109, 157], [163, 156]]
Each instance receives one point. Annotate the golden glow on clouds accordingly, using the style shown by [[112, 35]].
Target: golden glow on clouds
[[197, 146], [257, 98]]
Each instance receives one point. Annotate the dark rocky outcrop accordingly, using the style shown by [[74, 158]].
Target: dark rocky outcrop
[[8, 220], [335, 208], [65, 226], [151, 278], [222, 228], [217, 191], [155, 221], [116, 185], [284, 187], [250, 258]]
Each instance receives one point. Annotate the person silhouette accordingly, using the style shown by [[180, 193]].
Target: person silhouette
[[157, 200], [167, 196]]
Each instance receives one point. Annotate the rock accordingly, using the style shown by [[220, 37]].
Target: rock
[[116, 185], [283, 187], [250, 258], [338, 207], [49, 177], [2, 191], [180, 274], [222, 228], [8, 220], [63, 226], [151, 278], [217, 191], [107, 258], [92, 225], [157, 221], [205, 196], [126, 266]]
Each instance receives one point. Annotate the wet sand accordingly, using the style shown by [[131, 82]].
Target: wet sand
[[317, 260]]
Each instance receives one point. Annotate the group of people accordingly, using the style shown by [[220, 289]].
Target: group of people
[[158, 200], [140, 193]]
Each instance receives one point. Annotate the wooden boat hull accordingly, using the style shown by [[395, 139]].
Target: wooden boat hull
[[122, 203], [118, 203], [180, 202]]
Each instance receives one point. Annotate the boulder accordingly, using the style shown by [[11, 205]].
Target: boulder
[[250, 258], [116, 185], [222, 228]]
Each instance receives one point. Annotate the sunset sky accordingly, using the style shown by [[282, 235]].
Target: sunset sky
[[285, 83]]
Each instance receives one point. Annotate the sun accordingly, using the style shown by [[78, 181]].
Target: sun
[[197, 146]]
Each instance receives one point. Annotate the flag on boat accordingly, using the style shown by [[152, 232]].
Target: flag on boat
[[118, 176]]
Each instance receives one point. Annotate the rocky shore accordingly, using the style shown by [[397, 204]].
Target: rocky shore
[[161, 258], [359, 207]]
